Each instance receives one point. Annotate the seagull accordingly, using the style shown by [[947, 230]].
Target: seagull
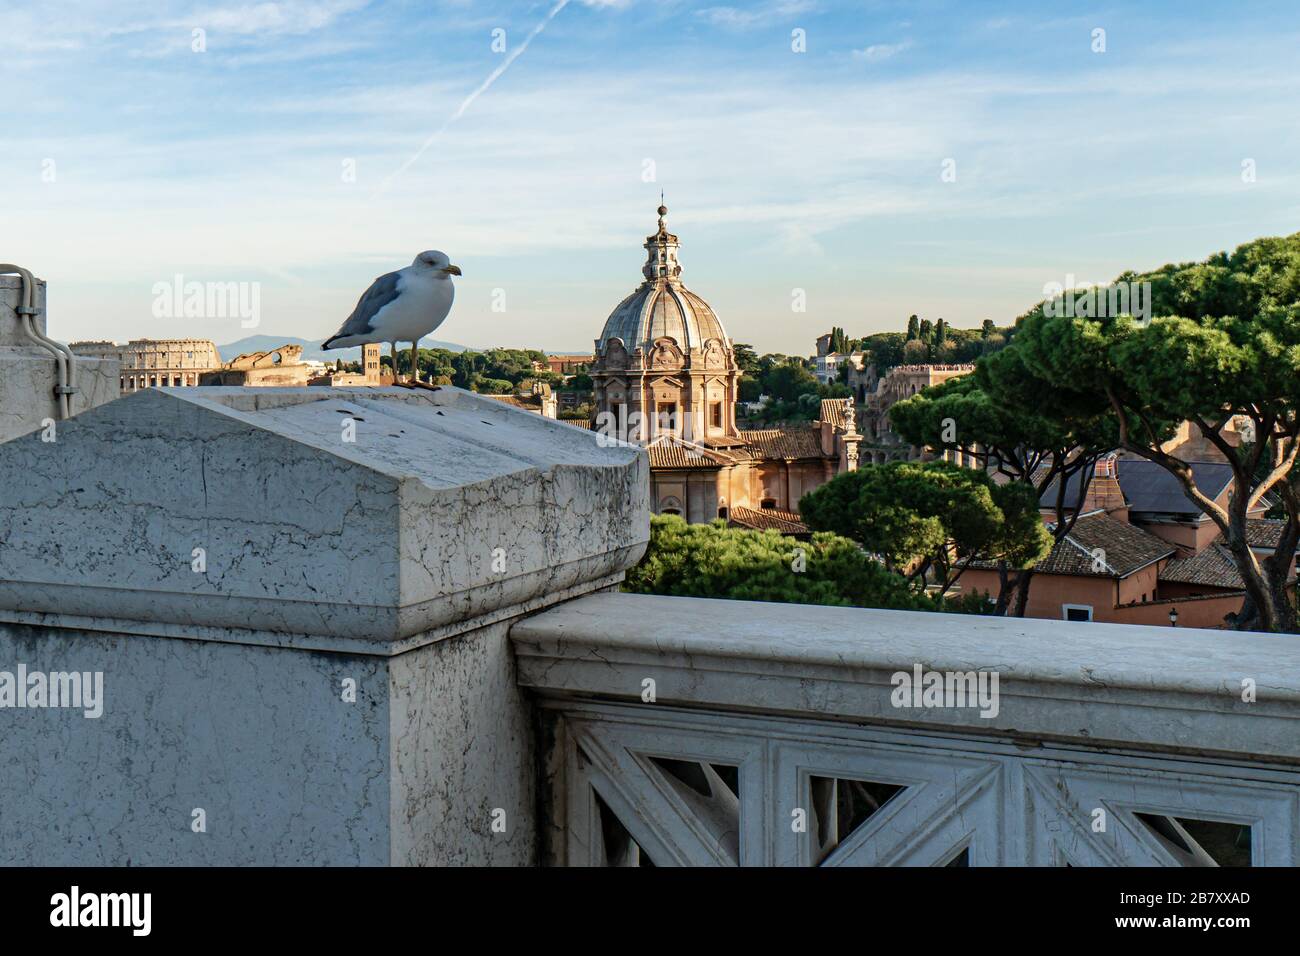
[[404, 306]]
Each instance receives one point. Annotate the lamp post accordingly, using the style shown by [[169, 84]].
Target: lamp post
[[1173, 617]]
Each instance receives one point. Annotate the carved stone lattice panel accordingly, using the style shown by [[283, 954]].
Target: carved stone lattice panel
[[655, 786]]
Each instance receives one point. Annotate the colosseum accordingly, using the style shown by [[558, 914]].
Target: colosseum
[[155, 363]]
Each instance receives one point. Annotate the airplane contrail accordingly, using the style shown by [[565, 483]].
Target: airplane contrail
[[482, 88]]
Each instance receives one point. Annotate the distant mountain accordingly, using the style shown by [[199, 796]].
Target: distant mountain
[[311, 350]]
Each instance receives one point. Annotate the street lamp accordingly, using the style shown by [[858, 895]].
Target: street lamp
[[1173, 617]]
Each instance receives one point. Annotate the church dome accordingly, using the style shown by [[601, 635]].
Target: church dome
[[662, 307]]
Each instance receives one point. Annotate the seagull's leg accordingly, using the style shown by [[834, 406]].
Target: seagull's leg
[[415, 355], [393, 346]]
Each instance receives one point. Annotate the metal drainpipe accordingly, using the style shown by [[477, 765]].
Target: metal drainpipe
[[64, 360]]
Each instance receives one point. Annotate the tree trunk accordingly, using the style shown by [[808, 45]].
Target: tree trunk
[[1266, 607], [1004, 590], [1022, 593]]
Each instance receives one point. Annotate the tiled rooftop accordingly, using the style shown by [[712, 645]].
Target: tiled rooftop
[[1101, 546], [787, 441], [1213, 567], [1262, 533], [768, 519]]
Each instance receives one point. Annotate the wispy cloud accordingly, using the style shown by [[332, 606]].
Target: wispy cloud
[[882, 51], [756, 15]]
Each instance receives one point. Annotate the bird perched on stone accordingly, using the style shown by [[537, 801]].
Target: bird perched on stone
[[401, 306]]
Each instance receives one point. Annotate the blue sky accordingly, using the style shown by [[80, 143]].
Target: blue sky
[[818, 170]]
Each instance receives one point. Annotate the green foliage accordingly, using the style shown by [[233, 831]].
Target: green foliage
[[1225, 339], [1005, 407], [789, 380], [746, 358], [715, 561], [884, 349], [934, 342], [1223, 343], [929, 517], [839, 342], [471, 369], [494, 386]]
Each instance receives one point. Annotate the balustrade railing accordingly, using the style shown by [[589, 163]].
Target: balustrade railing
[[680, 731]]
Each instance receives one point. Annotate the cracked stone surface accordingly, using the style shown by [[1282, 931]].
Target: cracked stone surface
[[444, 507], [398, 561], [462, 755], [260, 739]]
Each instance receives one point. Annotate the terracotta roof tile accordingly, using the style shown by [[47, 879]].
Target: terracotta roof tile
[[1262, 533], [833, 411], [1101, 546], [787, 441], [1212, 566], [767, 519], [670, 452]]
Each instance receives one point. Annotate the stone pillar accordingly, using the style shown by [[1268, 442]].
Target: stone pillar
[[28, 373], [287, 613]]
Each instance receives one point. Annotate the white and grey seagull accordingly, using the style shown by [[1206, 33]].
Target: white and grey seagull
[[401, 306]]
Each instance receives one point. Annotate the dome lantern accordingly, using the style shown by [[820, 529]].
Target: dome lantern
[[661, 249]]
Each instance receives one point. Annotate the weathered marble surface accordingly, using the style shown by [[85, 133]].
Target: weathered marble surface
[[27, 372], [462, 755], [11, 335], [287, 771], [1091, 684], [259, 738], [325, 560], [447, 506]]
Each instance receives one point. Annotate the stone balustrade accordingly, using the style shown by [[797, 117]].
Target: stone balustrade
[[685, 731]]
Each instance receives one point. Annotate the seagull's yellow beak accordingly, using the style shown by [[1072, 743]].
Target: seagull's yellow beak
[[452, 270]]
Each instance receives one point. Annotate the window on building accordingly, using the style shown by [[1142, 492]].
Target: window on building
[[666, 417], [716, 412], [722, 513], [1076, 612], [767, 504]]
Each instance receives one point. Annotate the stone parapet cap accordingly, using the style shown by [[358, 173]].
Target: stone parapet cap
[[1094, 685], [348, 518]]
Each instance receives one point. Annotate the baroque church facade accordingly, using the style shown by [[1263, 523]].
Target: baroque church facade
[[665, 376]]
